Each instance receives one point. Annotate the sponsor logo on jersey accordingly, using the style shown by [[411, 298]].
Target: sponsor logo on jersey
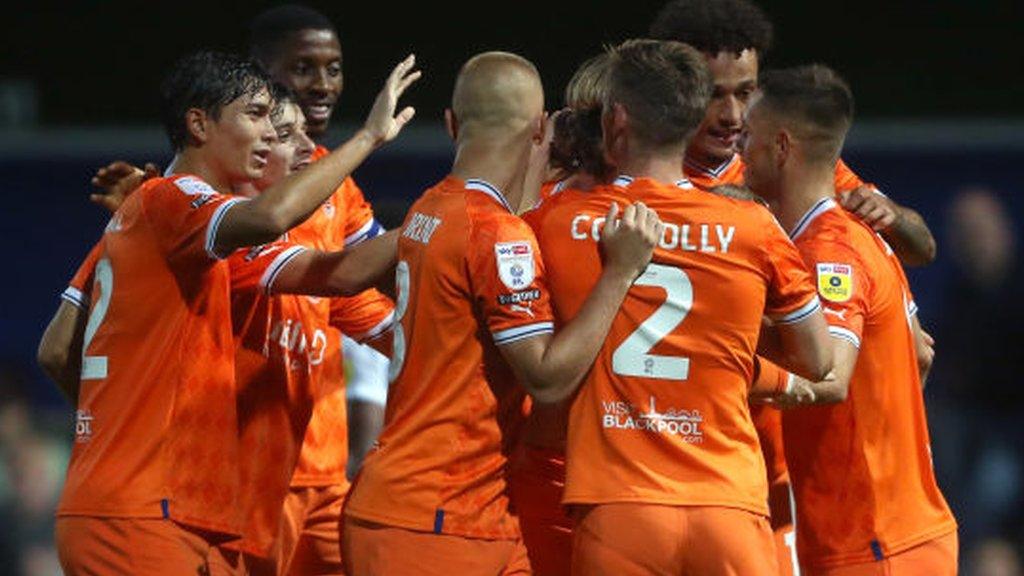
[[519, 297], [515, 264], [195, 187], [83, 426], [687, 424], [835, 282]]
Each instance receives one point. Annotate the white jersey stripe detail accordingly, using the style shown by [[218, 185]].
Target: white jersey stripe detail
[[522, 332], [844, 334], [801, 313], [275, 268], [74, 296], [215, 220]]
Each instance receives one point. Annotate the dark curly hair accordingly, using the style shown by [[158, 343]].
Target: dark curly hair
[[270, 28], [714, 26]]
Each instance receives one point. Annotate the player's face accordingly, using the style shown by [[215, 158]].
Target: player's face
[[735, 82], [759, 163], [239, 142], [310, 64], [292, 149]]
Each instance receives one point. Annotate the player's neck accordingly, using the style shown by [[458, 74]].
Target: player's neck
[[192, 161], [660, 167], [497, 163], [801, 190]]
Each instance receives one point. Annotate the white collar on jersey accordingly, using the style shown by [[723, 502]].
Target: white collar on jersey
[[819, 208], [489, 189], [715, 171], [623, 180]]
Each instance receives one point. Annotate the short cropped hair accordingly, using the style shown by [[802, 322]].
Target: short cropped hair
[[664, 86], [714, 26], [271, 27], [817, 99], [208, 81], [577, 143]]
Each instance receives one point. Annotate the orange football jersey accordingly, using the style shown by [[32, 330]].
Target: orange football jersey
[[156, 431], [768, 421], [280, 344], [343, 220], [469, 278], [80, 287], [861, 470], [663, 414]]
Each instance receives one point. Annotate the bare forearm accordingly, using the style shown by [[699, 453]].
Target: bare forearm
[[343, 273], [289, 202], [60, 350], [910, 238], [573, 349]]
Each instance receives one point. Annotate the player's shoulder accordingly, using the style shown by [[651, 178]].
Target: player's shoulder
[[827, 228]]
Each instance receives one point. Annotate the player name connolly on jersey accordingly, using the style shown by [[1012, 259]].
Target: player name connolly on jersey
[[687, 424], [685, 237]]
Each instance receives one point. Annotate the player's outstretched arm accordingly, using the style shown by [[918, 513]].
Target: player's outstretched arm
[[60, 350], [290, 201], [344, 273], [550, 367], [903, 228]]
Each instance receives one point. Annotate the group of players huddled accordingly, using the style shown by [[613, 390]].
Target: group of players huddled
[[663, 330]]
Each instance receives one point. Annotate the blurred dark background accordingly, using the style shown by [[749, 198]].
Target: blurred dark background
[[940, 128]]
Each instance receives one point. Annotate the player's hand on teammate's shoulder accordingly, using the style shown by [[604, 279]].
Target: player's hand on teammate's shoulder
[[876, 210], [118, 180], [628, 241], [382, 124]]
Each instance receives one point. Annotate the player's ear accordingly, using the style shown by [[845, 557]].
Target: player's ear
[[540, 128], [196, 122], [783, 146], [451, 124], [614, 125]]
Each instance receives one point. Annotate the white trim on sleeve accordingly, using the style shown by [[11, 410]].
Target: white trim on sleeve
[[214, 225], [844, 334], [377, 330], [74, 296], [522, 332], [275, 268], [801, 313], [371, 229]]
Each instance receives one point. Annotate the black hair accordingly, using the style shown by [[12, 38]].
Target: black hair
[[714, 26], [209, 81], [272, 26]]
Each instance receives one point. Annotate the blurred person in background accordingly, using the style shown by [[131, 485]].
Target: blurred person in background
[[977, 392], [33, 457]]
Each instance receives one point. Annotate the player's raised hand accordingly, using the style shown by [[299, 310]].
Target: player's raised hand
[[118, 180], [873, 208], [628, 242], [383, 124]]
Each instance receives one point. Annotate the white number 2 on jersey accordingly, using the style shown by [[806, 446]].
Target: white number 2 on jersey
[[95, 367], [633, 357], [398, 346]]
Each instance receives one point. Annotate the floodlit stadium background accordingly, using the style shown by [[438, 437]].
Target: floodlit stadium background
[[939, 128]]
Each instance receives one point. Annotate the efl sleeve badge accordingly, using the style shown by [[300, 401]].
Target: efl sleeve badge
[[835, 282], [515, 264]]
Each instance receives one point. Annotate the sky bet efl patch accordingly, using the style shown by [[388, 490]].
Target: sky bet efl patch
[[515, 264], [835, 282]]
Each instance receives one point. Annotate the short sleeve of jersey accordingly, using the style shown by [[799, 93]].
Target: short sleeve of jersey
[[363, 316], [843, 285], [846, 179], [258, 267], [185, 213], [360, 223], [508, 281], [78, 289], [791, 296]]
